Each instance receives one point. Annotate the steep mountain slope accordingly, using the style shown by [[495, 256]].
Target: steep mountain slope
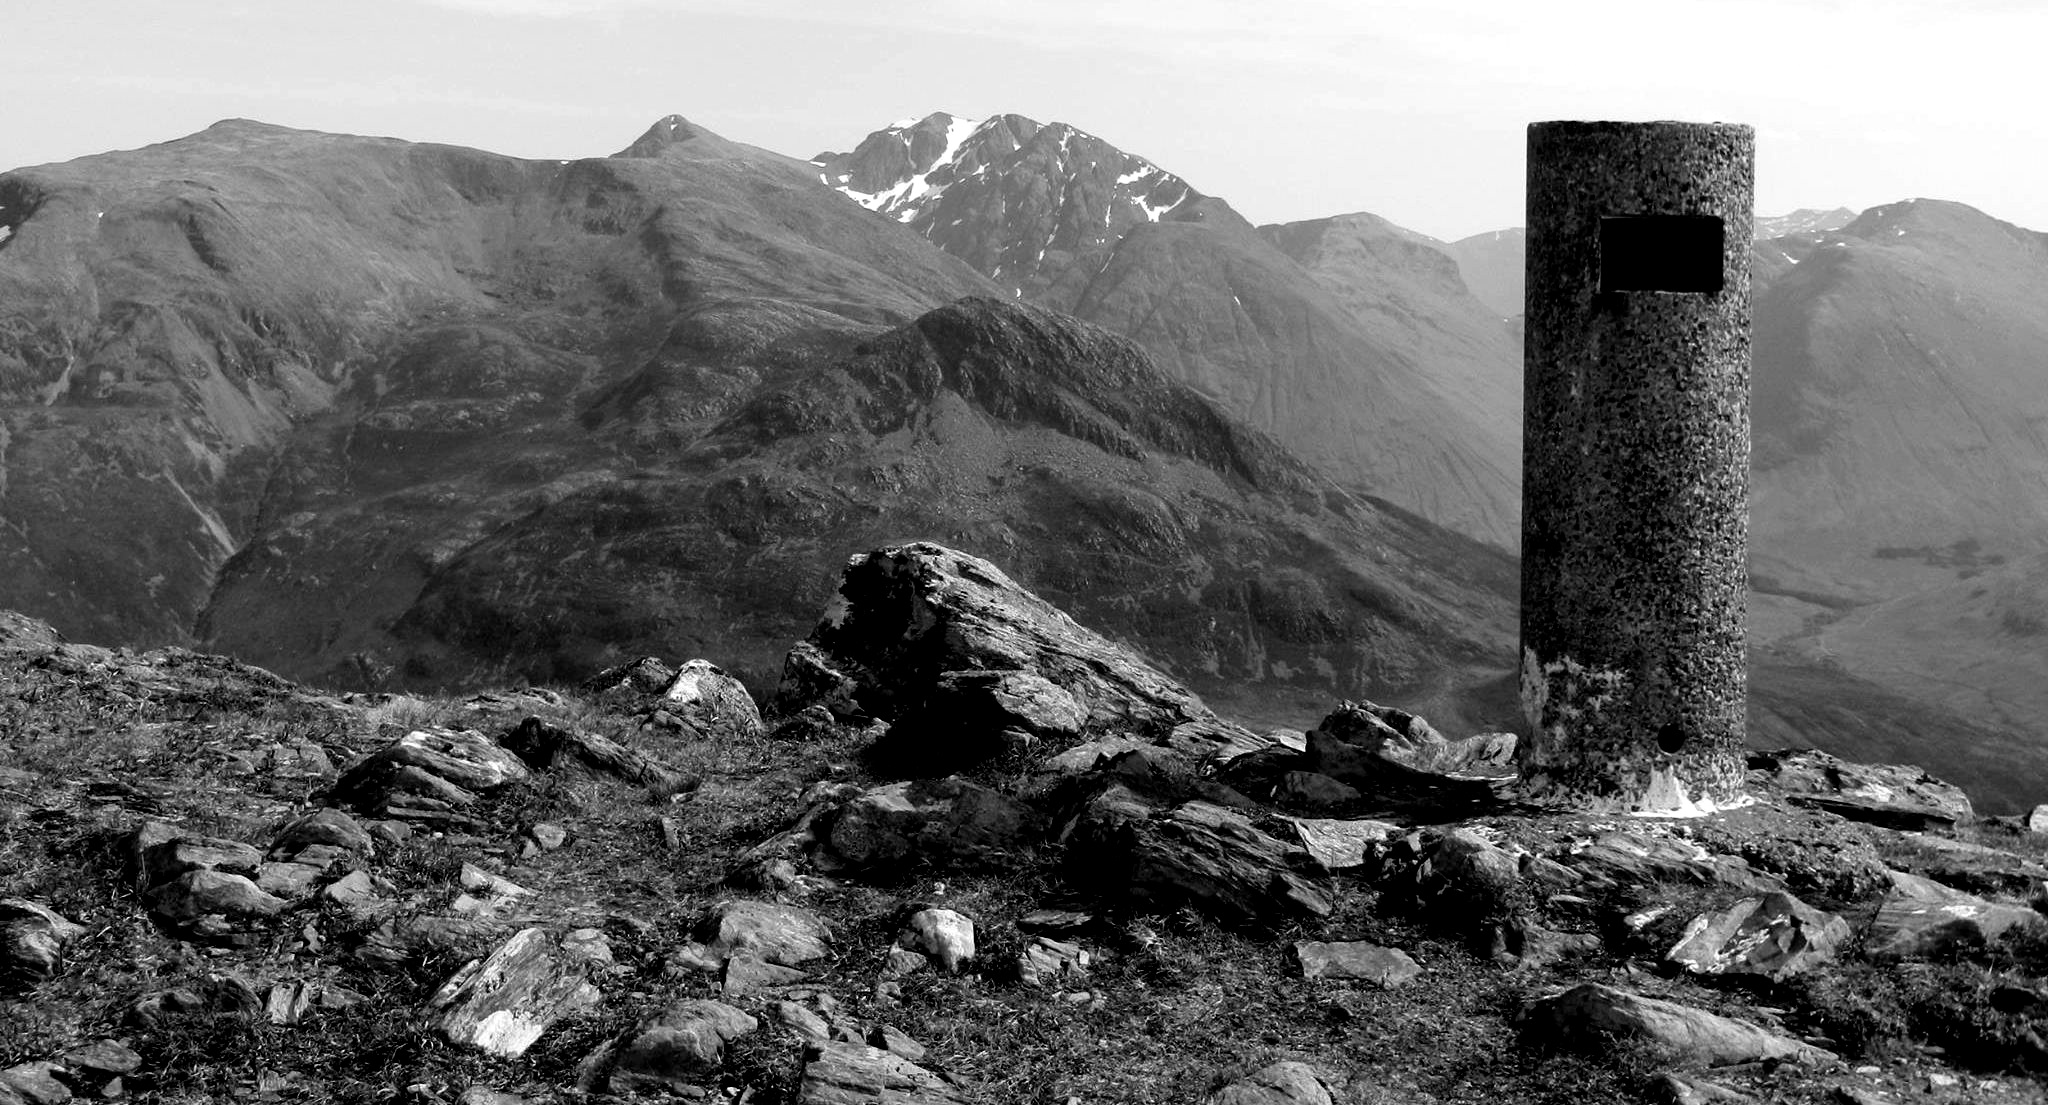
[[1977, 647], [1901, 400], [1347, 377], [1051, 447], [1491, 265], [169, 316]]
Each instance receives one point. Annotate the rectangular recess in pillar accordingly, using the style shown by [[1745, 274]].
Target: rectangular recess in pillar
[[1660, 253]]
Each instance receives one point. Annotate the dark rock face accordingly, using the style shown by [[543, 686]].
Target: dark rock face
[[1201, 854], [948, 821], [925, 627]]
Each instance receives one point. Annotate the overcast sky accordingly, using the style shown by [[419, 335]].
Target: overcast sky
[[1290, 109]]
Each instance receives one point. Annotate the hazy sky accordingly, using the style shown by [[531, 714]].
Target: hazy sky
[[1290, 109]]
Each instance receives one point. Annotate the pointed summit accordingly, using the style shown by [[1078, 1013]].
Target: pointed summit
[[672, 131]]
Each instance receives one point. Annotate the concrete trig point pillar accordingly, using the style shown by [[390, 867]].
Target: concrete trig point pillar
[[1635, 464]]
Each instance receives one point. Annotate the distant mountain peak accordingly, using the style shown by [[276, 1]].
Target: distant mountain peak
[[905, 169], [1805, 220], [1018, 199], [671, 131]]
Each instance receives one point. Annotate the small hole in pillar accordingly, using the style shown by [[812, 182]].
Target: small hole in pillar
[[1672, 737]]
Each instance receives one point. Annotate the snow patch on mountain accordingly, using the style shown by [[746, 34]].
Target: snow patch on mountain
[[907, 198]]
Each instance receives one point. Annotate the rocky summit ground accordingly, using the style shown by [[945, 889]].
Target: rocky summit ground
[[967, 851]]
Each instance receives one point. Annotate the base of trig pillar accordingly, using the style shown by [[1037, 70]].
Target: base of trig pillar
[[1586, 745]]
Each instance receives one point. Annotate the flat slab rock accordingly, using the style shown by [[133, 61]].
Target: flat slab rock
[[1893, 795], [1590, 1016], [1286, 1083], [788, 935], [501, 1004], [1921, 917], [1387, 967], [840, 1073], [1339, 844]]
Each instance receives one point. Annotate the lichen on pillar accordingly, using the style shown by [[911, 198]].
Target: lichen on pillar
[[1635, 470]]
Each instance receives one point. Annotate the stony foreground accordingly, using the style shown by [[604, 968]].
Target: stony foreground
[[967, 851]]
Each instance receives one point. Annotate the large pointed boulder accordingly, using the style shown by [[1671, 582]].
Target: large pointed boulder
[[930, 637]]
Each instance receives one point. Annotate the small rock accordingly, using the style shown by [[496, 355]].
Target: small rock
[[36, 1083], [1672, 1089], [1467, 877], [103, 1057], [802, 1021], [588, 945], [214, 996], [288, 1002], [290, 881], [1314, 790], [2037, 819], [896, 1042], [942, 934], [838, 1073], [712, 705], [747, 973], [693, 956], [1287, 1083], [326, 826], [357, 895], [1047, 962], [487, 895], [903, 961], [208, 893], [627, 683], [1055, 922], [683, 1046], [485, 1095], [429, 775], [1388, 967], [32, 939], [501, 1004], [784, 934], [548, 836]]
